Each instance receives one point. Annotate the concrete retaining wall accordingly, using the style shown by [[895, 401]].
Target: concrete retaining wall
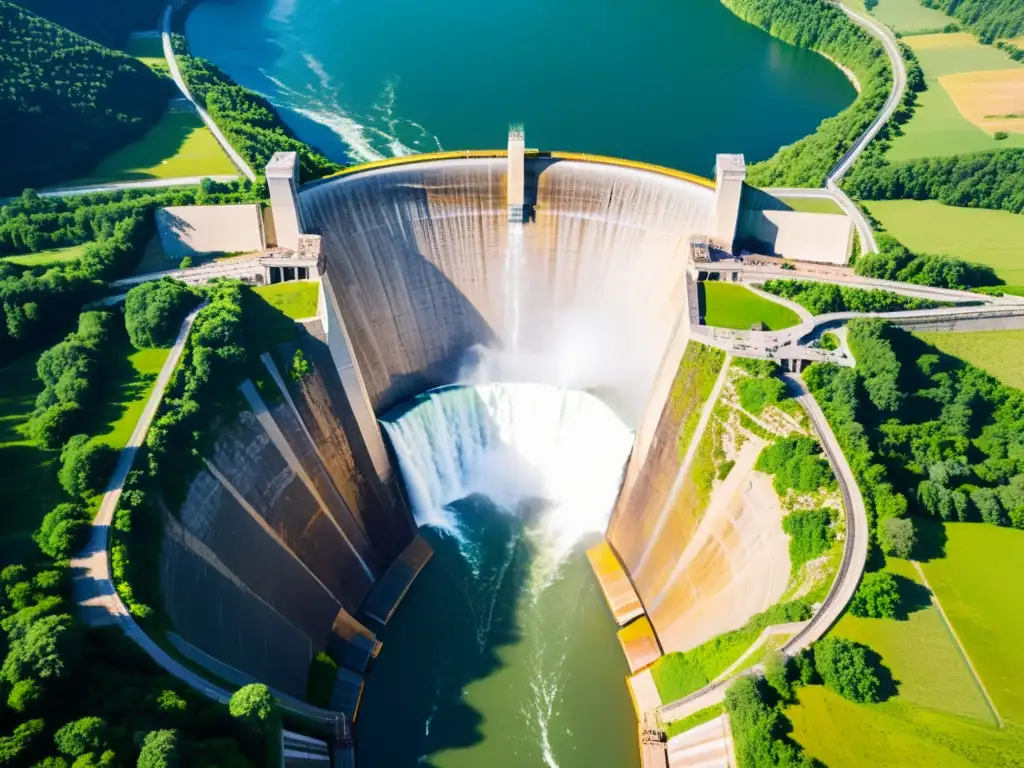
[[825, 238], [185, 230]]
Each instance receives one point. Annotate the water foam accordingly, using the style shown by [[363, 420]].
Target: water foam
[[515, 443]]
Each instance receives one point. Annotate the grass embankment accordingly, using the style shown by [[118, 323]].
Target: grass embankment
[[179, 145], [937, 128], [812, 204], [47, 258], [296, 299], [1000, 353], [938, 715], [909, 17], [727, 305], [977, 235], [697, 718], [28, 472]]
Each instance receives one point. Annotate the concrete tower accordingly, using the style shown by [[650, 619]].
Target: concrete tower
[[282, 181], [516, 176], [730, 172]]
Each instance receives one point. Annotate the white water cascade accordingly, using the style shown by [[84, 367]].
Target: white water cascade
[[513, 443], [514, 258]]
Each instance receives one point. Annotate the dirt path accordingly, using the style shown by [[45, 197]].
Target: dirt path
[[960, 645]]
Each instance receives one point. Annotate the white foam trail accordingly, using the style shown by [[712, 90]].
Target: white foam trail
[[350, 132], [514, 257], [318, 69]]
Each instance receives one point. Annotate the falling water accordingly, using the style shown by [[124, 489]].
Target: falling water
[[514, 258]]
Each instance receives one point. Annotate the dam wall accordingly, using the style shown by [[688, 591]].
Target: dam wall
[[269, 559], [584, 294]]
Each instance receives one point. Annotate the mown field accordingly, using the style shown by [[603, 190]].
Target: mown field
[[728, 305], [296, 299], [909, 17], [938, 716], [148, 50], [1000, 353], [974, 234], [812, 204], [179, 145], [979, 583], [937, 128]]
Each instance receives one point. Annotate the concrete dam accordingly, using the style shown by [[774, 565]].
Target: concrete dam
[[502, 378]]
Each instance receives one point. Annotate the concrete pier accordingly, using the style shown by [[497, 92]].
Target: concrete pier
[[282, 182], [615, 584], [639, 644], [730, 173], [516, 175], [389, 591]]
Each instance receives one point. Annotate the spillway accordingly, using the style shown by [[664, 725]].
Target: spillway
[[505, 391]]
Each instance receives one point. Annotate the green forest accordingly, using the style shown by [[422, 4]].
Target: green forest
[[910, 417], [823, 298], [988, 19], [69, 101], [109, 22]]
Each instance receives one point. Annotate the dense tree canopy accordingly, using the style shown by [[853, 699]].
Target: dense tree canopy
[[760, 728], [877, 597], [844, 666], [823, 298], [895, 262], [989, 19], [109, 22], [67, 100], [977, 180], [810, 534], [153, 312], [797, 464]]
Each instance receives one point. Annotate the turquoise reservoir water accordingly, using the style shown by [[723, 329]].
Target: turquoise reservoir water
[[666, 81]]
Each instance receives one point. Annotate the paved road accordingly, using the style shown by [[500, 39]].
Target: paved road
[[899, 84], [242, 267], [93, 590], [172, 64], [851, 567]]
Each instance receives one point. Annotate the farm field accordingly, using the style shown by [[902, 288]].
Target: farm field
[[46, 258], [938, 129], [728, 305], [993, 100], [938, 716], [177, 146], [909, 17], [977, 583], [1000, 353], [974, 234]]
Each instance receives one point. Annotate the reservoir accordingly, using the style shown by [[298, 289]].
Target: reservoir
[[671, 82]]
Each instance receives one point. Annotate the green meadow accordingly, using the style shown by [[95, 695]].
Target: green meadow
[[909, 17], [729, 305], [48, 258], [1000, 353], [978, 235]]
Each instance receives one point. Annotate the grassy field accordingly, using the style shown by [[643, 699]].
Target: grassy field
[[148, 50], [937, 128], [938, 716], [28, 473], [179, 145], [973, 234], [894, 735], [812, 204], [993, 100], [978, 583], [909, 16], [727, 305], [1000, 353], [46, 258], [296, 299]]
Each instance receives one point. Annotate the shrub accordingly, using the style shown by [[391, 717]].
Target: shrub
[[24, 695], [185, 262], [43, 649], [756, 394], [725, 468], [810, 535], [797, 464], [63, 531], [85, 466], [829, 341], [759, 729], [52, 426], [1000, 135], [322, 673], [253, 704], [777, 674], [80, 736], [844, 667], [877, 597], [153, 312], [160, 749], [300, 366]]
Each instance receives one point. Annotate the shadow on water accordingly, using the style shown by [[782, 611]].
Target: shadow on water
[[447, 634]]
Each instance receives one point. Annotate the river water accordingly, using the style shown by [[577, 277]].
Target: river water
[[665, 81]]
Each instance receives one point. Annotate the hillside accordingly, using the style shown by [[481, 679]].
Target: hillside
[[67, 100], [106, 21]]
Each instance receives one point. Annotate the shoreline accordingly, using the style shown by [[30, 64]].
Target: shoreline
[[845, 70]]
